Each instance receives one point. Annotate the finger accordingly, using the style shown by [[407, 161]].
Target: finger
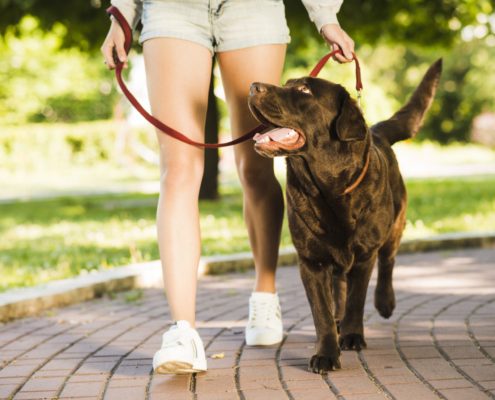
[[352, 45], [341, 59], [347, 49], [122, 55], [107, 53], [336, 56]]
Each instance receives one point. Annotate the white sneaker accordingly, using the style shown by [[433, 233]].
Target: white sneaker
[[182, 351], [265, 320]]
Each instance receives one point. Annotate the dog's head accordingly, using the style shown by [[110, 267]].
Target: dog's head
[[305, 114]]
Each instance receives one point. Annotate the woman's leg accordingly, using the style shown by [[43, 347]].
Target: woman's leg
[[263, 199], [178, 76]]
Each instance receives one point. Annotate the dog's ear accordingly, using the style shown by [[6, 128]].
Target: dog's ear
[[350, 124]]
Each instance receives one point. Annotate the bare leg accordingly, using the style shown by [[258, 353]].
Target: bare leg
[[178, 74], [263, 199]]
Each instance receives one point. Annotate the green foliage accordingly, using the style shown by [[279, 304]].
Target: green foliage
[[43, 82], [133, 296], [84, 156], [466, 87], [425, 22], [86, 19], [56, 147], [407, 22]]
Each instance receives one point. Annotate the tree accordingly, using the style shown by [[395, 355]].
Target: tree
[[209, 184]]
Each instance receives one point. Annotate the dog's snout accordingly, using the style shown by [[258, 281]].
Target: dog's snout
[[257, 87]]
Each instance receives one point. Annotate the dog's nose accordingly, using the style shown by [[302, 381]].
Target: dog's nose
[[257, 87]]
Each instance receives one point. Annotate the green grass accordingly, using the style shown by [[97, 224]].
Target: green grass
[[450, 205], [452, 154], [58, 238]]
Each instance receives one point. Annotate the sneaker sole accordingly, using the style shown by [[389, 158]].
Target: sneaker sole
[[177, 367], [262, 343], [263, 340]]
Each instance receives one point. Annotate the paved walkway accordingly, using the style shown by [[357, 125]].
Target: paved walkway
[[439, 344]]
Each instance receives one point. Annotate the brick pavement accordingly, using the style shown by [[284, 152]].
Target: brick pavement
[[439, 344]]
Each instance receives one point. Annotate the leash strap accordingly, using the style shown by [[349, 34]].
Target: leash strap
[[115, 12], [316, 70]]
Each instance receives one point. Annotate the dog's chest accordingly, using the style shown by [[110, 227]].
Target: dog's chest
[[316, 233], [326, 226]]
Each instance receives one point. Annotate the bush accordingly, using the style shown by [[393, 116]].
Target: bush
[[56, 146], [466, 87], [41, 81]]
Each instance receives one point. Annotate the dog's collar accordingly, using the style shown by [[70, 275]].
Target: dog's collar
[[361, 176]]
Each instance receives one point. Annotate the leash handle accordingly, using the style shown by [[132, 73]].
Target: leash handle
[[316, 70], [115, 12]]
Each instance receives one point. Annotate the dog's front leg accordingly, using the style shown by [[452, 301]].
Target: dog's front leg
[[339, 281], [351, 327], [318, 285]]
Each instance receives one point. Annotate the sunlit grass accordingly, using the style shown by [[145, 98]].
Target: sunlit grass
[[450, 205], [452, 154], [52, 239]]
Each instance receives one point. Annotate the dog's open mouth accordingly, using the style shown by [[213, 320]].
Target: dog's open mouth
[[279, 138]]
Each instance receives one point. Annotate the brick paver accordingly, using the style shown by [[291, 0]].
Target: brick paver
[[439, 344]]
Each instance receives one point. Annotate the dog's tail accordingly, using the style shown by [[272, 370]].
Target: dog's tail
[[405, 123]]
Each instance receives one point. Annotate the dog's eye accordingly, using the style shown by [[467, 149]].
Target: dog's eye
[[304, 89]]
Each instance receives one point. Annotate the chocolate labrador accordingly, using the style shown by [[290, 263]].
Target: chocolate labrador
[[346, 200]]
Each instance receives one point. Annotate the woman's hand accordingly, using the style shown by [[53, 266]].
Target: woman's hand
[[337, 38], [115, 39]]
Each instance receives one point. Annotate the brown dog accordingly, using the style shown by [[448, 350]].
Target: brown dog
[[346, 200]]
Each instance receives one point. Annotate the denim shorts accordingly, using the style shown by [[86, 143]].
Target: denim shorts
[[219, 25]]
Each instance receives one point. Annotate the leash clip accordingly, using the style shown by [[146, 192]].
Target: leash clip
[[359, 95]]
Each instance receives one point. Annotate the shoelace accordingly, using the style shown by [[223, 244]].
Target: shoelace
[[263, 312]]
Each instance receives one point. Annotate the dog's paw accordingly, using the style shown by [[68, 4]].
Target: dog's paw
[[385, 309], [352, 341], [385, 302], [322, 364]]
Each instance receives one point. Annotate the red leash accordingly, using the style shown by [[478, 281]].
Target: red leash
[[112, 10]]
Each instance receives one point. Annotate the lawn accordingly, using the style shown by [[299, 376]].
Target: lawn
[[58, 238]]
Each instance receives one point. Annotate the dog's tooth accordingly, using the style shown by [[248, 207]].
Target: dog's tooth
[[292, 132]]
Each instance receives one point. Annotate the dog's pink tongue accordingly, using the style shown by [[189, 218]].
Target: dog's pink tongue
[[277, 135]]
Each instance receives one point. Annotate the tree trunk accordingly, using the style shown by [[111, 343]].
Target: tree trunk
[[209, 184]]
